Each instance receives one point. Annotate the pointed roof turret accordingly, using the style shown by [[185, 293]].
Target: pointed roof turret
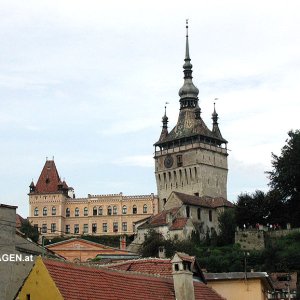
[[164, 131], [49, 180], [216, 130], [188, 92]]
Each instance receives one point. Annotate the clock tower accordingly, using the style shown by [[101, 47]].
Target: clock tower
[[191, 158]]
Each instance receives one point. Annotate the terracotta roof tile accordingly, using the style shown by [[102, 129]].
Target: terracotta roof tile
[[49, 179], [19, 221], [178, 224], [160, 219], [205, 201], [85, 283]]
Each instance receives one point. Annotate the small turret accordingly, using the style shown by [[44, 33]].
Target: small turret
[[32, 187], [164, 131]]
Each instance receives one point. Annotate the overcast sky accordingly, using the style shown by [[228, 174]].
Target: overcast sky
[[86, 82]]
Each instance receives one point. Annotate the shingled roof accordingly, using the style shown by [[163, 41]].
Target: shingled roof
[[49, 180], [82, 282], [206, 201]]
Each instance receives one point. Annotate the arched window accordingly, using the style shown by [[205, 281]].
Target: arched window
[[115, 210], [85, 211], [76, 212], [124, 210], [199, 213], [109, 210], [94, 211], [67, 212], [100, 211], [45, 211], [145, 209], [134, 209], [187, 209], [36, 212], [53, 210]]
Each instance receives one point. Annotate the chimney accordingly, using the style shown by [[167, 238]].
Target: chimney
[[182, 278], [161, 252], [122, 242]]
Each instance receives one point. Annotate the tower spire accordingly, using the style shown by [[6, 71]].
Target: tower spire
[[188, 93]]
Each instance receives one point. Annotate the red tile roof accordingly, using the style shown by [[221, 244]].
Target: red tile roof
[[19, 221], [49, 179], [158, 266], [206, 201], [85, 283], [160, 219], [178, 224]]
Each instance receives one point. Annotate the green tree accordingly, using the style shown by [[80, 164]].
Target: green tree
[[30, 231], [227, 226], [251, 209], [285, 176]]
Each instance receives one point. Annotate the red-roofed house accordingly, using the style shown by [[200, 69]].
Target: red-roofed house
[[184, 214], [53, 280]]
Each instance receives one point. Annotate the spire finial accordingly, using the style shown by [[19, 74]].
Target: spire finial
[[165, 118], [188, 93], [214, 114]]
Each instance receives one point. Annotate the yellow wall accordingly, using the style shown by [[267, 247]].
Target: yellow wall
[[252, 289], [39, 284]]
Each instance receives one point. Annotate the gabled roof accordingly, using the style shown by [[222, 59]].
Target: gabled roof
[[160, 219], [157, 266], [205, 201], [49, 179], [82, 282], [73, 243]]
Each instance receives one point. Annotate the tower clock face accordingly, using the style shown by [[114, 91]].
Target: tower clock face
[[168, 161]]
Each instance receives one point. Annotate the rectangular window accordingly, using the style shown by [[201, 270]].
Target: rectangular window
[[124, 226], [85, 228], [104, 227], [76, 228], [94, 227], [115, 226], [44, 228], [210, 216], [179, 160], [67, 228], [53, 227]]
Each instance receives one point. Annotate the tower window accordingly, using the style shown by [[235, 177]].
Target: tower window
[[179, 160]]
